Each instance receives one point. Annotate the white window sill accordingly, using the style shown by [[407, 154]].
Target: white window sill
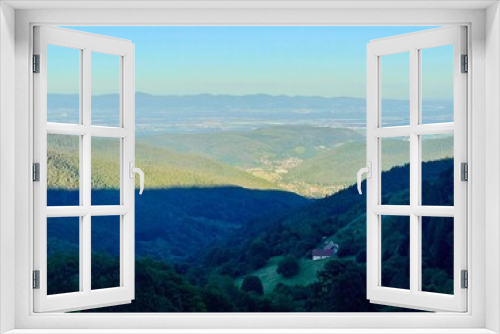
[[251, 331]]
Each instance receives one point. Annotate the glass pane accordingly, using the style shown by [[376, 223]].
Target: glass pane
[[395, 89], [105, 171], [395, 157], [437, 254], [105, 89], [437, 170], [105, 238], [63, 256], [437, 84], [63, 84], [396, 252], [63, 170]]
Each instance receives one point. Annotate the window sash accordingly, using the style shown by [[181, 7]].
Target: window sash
[[414, 298], [86, 298]]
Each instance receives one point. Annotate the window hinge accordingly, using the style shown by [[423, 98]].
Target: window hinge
[[465, 279], [465, 64], [36, 279], [36, 172], [36, 63], [464, 170]]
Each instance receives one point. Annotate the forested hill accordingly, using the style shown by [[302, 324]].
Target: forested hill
[[209, 281], [341, 218]]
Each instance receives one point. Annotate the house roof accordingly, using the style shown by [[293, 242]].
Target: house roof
[[322, 252]]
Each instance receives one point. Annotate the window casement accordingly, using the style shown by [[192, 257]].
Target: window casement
[[84, 131], [414, 210], [475, 320]]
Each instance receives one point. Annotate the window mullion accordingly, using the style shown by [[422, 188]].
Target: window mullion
[[419, 130], [85, 179], [414, 170]]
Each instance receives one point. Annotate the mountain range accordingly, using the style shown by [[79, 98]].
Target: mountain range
[[213, 113]]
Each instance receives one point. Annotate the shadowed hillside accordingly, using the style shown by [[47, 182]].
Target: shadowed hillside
[[174, 223], [208, 281]]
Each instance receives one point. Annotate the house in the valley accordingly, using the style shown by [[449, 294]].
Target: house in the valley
[[320, 254], [330, 249]]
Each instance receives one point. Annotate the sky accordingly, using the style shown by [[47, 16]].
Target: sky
[[308, 61]]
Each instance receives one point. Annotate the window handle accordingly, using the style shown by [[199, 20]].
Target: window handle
[[368, 171], [133, 171]]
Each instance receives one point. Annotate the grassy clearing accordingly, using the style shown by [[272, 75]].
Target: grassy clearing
[[270, 278]]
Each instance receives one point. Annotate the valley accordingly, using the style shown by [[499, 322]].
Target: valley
[[209, 279], [235, 185], [304, 144]]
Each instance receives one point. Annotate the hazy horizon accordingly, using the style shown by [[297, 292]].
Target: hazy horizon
[[202, 113], [260, 94], [305, 61]]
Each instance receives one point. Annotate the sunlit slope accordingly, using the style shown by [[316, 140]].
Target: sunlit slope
[[339, 165], [163, 168]]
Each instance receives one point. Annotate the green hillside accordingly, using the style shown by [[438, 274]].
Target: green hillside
[[247, 149], [311, 161], [320, 161], [340, 217], [209, 281], [163, 168], [340, 164]]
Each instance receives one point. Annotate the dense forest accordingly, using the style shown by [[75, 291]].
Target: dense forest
[[224, 273]]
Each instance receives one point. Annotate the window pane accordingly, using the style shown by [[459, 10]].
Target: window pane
[[437, 254], [105, 89], [63, 256], [395, 89], [105, 252], [437, 84], [395, 158], [63, 84], [437, 170], [105, 171], [63, 170], [396, 252]]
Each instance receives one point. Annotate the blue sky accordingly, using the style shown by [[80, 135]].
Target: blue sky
[[319, 61]]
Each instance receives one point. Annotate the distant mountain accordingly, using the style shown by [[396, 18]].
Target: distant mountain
[[211, 113]]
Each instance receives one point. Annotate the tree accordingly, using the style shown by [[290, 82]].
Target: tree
[[341, 287], [257, 254], [288, 267], [361, 257], [252, 284]]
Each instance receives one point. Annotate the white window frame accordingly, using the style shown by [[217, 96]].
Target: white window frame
[[86, 44], [413, 44], [483, 311]]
